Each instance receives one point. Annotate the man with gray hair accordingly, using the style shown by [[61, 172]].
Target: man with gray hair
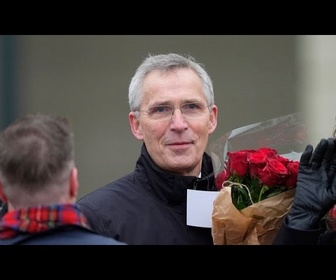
[[172, 112]]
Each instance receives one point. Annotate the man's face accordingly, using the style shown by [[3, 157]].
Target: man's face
[[175, 143]]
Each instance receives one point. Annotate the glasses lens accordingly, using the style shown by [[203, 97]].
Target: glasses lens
[[192, 109], [165, 112], [160, 112]]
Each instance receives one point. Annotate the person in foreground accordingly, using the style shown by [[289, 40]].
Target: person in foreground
[[39, 184], [172, 112], [315, 195]]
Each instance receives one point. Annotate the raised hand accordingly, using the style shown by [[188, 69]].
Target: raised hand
[[316, 186]]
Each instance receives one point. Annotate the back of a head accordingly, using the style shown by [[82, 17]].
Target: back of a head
[[166, 63], [36, 151]]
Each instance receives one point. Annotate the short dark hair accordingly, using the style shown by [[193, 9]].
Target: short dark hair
[[36, 150]]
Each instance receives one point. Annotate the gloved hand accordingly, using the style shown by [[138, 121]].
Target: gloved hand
[[316, 186]]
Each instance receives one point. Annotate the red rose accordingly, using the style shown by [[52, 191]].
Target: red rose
[[273, 174], [293, 170], [332, 212], [238, 162], [283, 160], [221, 178], [331, 218], [257, 160], [268, 151], [262, 171]]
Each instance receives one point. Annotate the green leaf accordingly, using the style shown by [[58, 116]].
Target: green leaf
[[240, 197]]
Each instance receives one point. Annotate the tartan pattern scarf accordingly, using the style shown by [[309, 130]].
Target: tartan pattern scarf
[[38, 219]]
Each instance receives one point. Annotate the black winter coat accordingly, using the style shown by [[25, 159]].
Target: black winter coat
[[62, 235], [290, 236], [148, 206]]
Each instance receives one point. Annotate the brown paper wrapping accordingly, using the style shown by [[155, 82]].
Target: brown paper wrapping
[[253, 225]]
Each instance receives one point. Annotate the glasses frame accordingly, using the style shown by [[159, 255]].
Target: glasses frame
[[173, 108]]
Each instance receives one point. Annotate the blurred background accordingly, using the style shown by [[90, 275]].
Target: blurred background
[[86, 78]]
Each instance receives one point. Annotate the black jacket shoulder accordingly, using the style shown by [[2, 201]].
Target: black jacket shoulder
[[290, 236], [62, 235]]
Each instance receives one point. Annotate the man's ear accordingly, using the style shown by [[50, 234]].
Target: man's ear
[[213, 119], [73, 184], [3, 197], [135, 126]]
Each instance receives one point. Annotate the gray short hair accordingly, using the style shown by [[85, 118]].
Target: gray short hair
[[166, 62]]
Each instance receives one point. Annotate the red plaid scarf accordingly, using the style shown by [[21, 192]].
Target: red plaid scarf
[[37, 219]]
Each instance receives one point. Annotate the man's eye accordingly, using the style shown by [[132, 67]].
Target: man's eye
[[160, 109], [190, 106]]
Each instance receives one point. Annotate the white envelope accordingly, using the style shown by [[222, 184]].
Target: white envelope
[[199, 207]]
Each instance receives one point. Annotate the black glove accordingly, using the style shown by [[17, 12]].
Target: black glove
[[316, 186]]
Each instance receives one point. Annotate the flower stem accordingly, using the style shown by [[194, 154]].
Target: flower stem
[[263, 189]]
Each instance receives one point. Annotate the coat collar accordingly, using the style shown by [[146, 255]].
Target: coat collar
[[172, 188]]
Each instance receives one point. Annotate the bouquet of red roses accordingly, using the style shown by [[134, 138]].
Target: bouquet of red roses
[[255, 175], [256, 184]]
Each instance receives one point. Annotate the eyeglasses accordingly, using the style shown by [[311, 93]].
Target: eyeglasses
[[190, 110]]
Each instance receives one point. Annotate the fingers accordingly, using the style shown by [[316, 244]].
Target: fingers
[[332, 168], [329, 155], [319, 154], [306, 155], [330, 150]]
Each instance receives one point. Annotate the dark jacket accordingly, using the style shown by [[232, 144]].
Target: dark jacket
[[290, 236], [3, 209], [62, 235], [148, 206]]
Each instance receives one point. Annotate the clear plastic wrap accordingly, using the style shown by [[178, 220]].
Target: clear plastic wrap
[[258, 223]]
